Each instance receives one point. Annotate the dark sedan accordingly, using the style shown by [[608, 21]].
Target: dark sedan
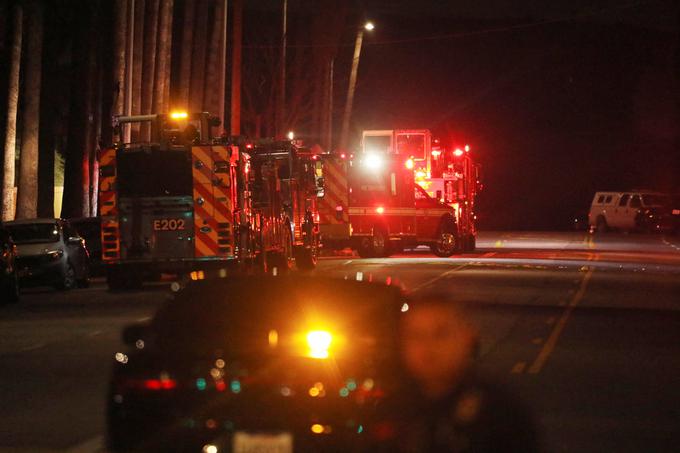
[[258, 364]]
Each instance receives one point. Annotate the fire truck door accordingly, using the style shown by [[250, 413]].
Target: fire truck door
[[427, 220]]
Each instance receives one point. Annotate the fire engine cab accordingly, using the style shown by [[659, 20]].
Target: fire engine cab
[[172, 199]]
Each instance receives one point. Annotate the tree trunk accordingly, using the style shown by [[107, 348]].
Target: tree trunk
[[197, 85], [186, 54], [162, 60], [149, 64], [137, 62], [211, 95], [119, 41], [27, 191], [11, 127], [236, 69]]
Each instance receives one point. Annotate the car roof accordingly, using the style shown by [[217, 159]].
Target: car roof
[[268, 292], [44, 220]]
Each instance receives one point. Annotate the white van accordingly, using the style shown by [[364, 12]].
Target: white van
[[627, 211]]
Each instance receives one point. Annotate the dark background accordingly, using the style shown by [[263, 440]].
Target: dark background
[[556, 103]]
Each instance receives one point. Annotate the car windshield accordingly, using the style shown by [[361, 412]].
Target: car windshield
[[34, 233]]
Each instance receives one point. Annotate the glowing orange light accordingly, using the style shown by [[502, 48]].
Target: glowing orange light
[[179, 115], [319, 341], [458, 152], [409, 164], [317, 428], [380, 210]]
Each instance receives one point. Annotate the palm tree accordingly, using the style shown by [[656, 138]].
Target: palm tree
[[27, 191], [11, 127]]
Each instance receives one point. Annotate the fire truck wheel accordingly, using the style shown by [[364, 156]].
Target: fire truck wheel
[[445, 244], [379, 244]]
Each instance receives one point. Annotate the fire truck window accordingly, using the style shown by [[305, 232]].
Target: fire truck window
[[378, 144], [600, 200], [145, 174], [624, 200], [412, 145]]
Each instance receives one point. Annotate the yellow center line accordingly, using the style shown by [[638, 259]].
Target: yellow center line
[[550, 344], [438, 277]]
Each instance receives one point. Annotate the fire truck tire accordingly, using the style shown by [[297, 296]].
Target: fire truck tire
[[446, 242]]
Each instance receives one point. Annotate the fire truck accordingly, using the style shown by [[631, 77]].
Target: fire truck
[[383, 210], [286, 182], [175, 202], [449, 175]]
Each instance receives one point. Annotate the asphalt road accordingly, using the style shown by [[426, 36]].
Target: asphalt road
[[585, 329]]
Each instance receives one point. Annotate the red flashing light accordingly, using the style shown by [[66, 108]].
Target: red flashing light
[[249, 146], [458, 152], [467, 148], [343, 156], [159, 384], [409, 164], [220, 386]]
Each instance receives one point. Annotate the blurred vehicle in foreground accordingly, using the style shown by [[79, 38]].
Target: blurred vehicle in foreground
[[643, 211], [258, 364], [9, 279], [50, 252], [90, 229]]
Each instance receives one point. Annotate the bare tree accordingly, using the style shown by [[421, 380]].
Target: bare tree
[[162, 76], [199, 45], [27, 190], [149, 64], [11, 127], [120, 29], [186, 54], [138, 57]]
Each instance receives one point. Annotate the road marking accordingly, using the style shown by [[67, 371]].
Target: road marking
[[32, 347], [549, 345], [95, 333], [438, 277], [518, 368], [92, 445], [488, 254]]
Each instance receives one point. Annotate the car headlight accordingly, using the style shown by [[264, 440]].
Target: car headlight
[[55, 255]]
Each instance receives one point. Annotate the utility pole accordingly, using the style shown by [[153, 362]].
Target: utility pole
[[281, 98], [344, 132], [236, 69]]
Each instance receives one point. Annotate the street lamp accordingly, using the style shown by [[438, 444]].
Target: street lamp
[[344, 133]]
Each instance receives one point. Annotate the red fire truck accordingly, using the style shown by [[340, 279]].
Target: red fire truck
[[285, 182], [176, 202], [447, 174], [383, 210]]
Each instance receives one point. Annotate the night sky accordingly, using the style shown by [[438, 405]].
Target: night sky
[[557, 101]]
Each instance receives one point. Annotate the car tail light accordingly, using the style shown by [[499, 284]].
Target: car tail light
[[152, 384]]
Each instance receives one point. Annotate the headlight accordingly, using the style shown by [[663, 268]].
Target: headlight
[[319, 342], [373, 161], [55, 255]]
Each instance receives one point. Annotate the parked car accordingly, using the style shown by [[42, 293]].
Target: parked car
[[644, 211], [90, 229], [50, 251], [9, 278], [261, 362]]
